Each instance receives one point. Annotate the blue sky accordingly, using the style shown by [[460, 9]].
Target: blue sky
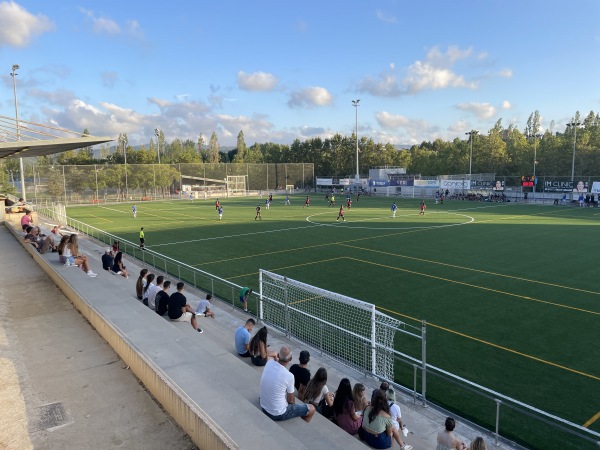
[[284, 70]]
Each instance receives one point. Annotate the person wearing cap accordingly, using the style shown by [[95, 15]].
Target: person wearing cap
[[301, 372], [277, 390], [394, 409], [108, 259]]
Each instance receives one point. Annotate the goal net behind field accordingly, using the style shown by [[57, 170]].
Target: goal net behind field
[[236, 184], [289, 188], [349, 330]]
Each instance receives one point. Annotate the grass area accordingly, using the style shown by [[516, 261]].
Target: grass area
[[508, 290]]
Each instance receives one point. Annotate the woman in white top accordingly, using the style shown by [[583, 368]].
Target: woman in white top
[[446, 440], [318, 395], [146, 291], [74, 258]]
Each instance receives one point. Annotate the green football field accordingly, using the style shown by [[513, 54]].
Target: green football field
[[509, 291]]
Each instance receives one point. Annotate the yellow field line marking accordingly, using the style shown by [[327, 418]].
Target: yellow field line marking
[[510, 350], [510, 294], [472, 270], [592, 420]]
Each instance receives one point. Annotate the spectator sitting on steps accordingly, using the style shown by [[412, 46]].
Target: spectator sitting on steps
[[242, 338], [74, 258], [378, 428], [108, 259], [258, 348], [301, 373], [162, 299], [40, 242], [203, 307], [277, 390], [179, 310], [139, 284], [447, 440]]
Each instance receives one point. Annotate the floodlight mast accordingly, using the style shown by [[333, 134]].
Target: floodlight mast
[[157, 134], [14, 74], [356, 104]]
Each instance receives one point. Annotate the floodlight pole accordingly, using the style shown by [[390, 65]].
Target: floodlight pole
[[157, 134], [16, 67], [355, 103], [471, 134], [573, 125], [535, 138]]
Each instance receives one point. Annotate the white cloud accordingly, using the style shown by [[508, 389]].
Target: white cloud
[[387, 120], [385, 17], [309, 97], [459, 126], [434, 73], [506, 73], [385, 85], [422, 76], [105, 25], [18, 26], [506, 104], [480, 110], [257, 81], [412, 130]]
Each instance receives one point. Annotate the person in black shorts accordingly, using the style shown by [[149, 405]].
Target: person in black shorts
[[258, 213]]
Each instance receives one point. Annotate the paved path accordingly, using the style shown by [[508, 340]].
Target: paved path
[[62, 385]]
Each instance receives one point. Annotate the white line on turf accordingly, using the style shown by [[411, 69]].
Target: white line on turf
[[113, 209], [238, 235]]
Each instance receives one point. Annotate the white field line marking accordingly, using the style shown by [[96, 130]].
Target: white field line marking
[[113, 209], [237, 235]]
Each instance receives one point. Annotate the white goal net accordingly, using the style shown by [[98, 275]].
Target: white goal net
[[349, 330], [236, 184]]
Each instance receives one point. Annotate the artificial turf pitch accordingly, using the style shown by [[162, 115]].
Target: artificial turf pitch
[[508, 290]]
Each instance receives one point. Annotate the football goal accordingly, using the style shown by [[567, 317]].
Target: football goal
[[349, 330], [236, 184], [289, 188]]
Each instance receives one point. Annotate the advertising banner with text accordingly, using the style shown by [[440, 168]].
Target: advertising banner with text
[[596, 187], [427, 183], [558, 185], [455, 184], [482, 184]]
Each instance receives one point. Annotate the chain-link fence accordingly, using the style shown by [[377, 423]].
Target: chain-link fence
[[120, 182]]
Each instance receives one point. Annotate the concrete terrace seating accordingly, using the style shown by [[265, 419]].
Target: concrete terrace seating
[[202, 384]]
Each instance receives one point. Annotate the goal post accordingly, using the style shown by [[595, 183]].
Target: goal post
[[289, 188], [349, 330], [236, 184]]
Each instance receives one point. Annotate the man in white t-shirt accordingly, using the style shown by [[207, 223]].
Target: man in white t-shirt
[[394, 409], [277, 390], [153, 290], [203, 308]]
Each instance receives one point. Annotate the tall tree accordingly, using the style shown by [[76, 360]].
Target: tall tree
[[85, 153], [240, 155], [214, 149]]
